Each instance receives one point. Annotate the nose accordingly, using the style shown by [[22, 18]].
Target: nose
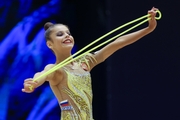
[[67, 35]]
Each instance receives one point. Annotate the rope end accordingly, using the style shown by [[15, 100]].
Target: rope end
[[160, 15]]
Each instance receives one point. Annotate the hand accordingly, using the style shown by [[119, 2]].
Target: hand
[[29, 85], [152, 21]]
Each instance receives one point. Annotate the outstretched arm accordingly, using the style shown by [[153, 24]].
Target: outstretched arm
[[30, 85], [125, 40]]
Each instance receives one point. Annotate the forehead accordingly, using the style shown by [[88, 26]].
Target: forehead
[[60, 27]]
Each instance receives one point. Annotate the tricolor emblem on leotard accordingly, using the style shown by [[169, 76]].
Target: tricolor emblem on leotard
[[65, 105]]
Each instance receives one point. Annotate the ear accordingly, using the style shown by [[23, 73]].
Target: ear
[[49, 44]]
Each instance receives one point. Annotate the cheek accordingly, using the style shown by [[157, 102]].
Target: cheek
[[58, 40], [72, 39], [57, 43]]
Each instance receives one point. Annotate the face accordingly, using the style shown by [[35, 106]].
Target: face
[[61, 39]]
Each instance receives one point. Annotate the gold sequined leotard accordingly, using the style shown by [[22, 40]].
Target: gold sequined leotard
[[80, 93], [74, 92]]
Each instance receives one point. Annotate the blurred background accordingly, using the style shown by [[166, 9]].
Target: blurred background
[[139, 82]]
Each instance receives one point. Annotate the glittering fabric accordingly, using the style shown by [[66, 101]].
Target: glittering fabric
[[80, 91]]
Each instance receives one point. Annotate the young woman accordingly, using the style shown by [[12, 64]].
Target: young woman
[[71, 84]]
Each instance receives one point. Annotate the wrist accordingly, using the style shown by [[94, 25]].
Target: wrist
[[150, 28]]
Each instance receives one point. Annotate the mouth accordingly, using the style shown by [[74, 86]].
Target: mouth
[[67, 41]]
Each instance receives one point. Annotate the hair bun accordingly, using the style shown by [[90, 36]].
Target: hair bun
[[48, 25]]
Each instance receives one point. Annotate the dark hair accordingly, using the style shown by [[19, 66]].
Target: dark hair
[[47, 28]]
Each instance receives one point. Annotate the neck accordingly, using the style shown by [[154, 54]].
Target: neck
[[62, 57]]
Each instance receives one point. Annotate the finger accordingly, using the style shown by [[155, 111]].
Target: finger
[[29, 79], [26, 91], [26, 84], [29, 88], [154, 8], [32, 83], [23, 90], [152, 13]]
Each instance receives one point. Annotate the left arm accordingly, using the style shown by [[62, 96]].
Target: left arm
[[125, 40]]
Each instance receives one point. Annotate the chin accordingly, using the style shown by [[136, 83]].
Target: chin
[[69, 46]]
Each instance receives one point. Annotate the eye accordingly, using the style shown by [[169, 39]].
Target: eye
[[59, 34]]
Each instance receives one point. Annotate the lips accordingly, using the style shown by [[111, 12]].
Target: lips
[[67, 41]]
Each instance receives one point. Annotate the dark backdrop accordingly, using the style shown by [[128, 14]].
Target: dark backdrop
[[143, 81], [138, 82]]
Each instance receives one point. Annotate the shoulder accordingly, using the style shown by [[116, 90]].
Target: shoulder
[[55, 76], [48, 67], [88, 60]]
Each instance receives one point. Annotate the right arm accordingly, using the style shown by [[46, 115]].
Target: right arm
[[30, 83]]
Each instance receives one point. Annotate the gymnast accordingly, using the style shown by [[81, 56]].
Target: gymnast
[[71, 84]]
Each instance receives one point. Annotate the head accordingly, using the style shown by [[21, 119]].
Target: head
[[58, 37]]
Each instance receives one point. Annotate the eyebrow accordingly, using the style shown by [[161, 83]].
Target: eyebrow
[[62, 31]]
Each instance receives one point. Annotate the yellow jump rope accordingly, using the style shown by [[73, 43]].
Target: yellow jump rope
[[69, 59]]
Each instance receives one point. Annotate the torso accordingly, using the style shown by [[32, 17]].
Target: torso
[[74, 93]]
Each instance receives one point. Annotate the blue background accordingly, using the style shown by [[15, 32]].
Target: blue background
[[139, 82]]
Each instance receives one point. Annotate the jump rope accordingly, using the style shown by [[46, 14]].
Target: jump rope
[[73, 58]]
